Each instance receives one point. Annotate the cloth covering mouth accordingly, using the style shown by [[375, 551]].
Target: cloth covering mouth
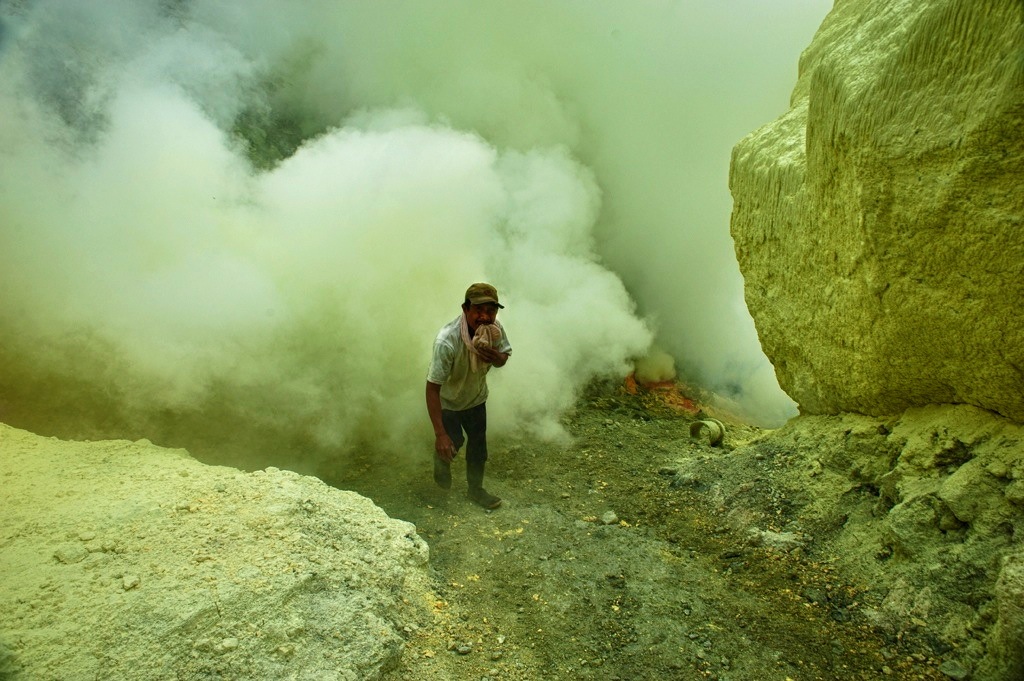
[[487, 335]]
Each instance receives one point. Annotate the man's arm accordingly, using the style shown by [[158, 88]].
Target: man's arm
[[443, 444]]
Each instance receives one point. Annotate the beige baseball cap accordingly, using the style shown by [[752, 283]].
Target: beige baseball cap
[[479, 294]]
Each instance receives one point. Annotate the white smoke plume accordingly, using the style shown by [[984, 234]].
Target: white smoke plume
[[262, 211]]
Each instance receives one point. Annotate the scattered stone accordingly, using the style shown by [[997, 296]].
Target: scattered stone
[[70, 553], [998, 469], [1015, 492], [130, 582], [684, 479], [814, 594], [783, 541], [609, 518], [954, 670]]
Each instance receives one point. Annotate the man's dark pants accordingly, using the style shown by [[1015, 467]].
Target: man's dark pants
[[474, 422]]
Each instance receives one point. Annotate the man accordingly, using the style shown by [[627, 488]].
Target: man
[[464, 351]]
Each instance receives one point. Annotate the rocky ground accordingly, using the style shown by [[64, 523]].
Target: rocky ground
[[836, 547], [641, 552]]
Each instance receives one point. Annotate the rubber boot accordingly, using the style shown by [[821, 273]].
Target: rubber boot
[[475, 478], [442, 473]]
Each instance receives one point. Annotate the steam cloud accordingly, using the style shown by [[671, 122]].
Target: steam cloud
[[267, 209]]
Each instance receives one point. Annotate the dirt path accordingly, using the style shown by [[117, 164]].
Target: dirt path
[[597, 566]]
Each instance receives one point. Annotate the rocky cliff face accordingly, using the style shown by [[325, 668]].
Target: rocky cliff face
[[879, 224]]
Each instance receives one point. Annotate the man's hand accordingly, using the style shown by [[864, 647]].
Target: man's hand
[[443, 444], [444, 447], [492, 356]]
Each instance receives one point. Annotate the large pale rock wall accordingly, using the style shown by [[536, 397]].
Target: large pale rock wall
[[879, 224], [123, 560]]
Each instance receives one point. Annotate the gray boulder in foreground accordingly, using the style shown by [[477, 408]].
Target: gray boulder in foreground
[[126, 560], [879, 224]]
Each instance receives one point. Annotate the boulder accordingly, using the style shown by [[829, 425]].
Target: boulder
[[879, 223], [126, 560]]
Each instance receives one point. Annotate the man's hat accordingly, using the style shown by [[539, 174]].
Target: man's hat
[[479, 294]]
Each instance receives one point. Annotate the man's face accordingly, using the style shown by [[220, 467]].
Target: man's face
[[479, 315]]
